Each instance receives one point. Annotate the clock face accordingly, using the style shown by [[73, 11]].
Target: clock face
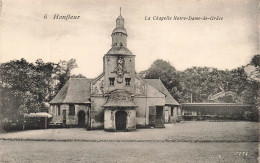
[[119, 79]]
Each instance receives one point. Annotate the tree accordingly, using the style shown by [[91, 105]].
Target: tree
[[253, 68], [44, 79], [255, 61], [21, 89], [63, 71], [198, 83], [26, 87], [163, 70]]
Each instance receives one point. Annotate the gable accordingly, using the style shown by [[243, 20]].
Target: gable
[[152, 91], [157, 84], [76, 90], [140, 87], [97, 85]]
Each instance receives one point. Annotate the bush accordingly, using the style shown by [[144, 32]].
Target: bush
[[251, 115], [13, 125]]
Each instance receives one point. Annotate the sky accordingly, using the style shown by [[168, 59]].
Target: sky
[[223, 44]]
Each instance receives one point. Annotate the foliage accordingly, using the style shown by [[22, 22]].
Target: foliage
[[196, 84], [163, 70], [78, 76], [25, 87], [63, 71], [256, 60]]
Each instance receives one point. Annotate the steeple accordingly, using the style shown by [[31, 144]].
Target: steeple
[[120, 21], [119, 35]]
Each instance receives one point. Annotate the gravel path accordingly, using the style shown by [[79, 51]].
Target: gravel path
[[179, 132], [27, 151]]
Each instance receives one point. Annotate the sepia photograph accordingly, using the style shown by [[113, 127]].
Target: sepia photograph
[[128, 81]]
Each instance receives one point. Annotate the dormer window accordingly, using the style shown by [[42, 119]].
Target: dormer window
[[127, 81], [111, 81]]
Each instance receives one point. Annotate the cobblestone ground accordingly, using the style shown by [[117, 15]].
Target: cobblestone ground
[[182, 142]]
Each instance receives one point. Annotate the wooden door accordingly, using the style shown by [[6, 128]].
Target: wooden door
[[81, 118], [64, 116], [121, 118], [159, 117], [152, 115]]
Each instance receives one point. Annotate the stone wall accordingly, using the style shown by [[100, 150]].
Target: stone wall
[[110, 119], [110, 70], [97, 112], [70, 119], [53, 110]]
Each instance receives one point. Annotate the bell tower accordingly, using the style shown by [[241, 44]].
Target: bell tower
[[119, 62], [119, 34]]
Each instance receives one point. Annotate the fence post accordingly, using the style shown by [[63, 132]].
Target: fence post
[[23, 121]]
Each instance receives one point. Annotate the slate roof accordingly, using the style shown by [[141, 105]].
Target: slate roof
[[119, 50], [119, 30], [76, 90], [157, 84], [120, 18]]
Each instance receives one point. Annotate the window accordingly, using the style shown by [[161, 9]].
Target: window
[[127, 81], [111, 81], [71, 109], [171, 111], [58, 106]]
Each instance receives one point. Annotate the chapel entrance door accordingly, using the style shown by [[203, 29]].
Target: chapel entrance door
[[121, 118], [81, 118]]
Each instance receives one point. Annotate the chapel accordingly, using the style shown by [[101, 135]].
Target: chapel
[[116, 100]]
